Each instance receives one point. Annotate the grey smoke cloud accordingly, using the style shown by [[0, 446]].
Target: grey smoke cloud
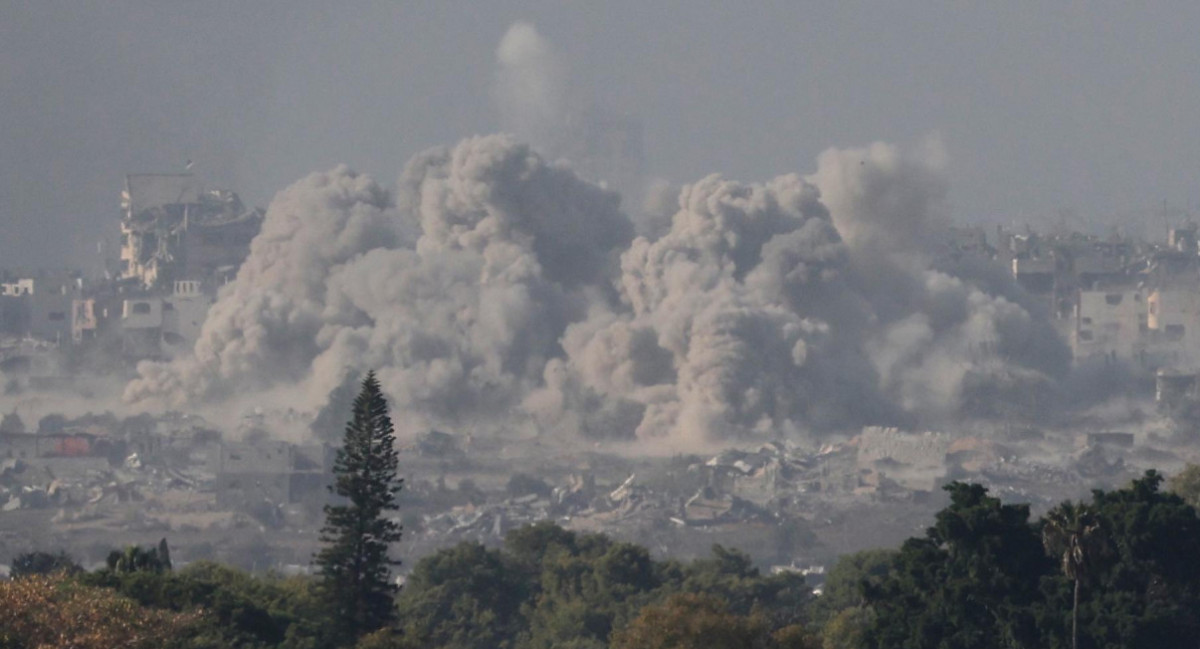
[[456, 291], [268, 324], [531, 86], [715, 357], [497, 291], [938, 334], [658, 205], [805, 303]]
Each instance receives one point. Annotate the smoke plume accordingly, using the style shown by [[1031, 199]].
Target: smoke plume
[[531, 86], [457, 291], [496, 291]]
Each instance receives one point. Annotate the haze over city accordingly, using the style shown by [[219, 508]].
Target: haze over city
[[1072, 107], [788, 324]]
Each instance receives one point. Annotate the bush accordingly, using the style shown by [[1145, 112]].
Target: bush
[[54, 611], [43, 563]]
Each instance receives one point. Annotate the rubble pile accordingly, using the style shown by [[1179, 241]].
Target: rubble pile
[[93, 481]]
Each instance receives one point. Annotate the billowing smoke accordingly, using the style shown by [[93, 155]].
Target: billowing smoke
[[531, 86], [457, 292], [270, 323], [707, 343], [658, 206], [942, 340], [497, 291], [541, 103]]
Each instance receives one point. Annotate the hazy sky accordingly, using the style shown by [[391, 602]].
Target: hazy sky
[[1090, 107]]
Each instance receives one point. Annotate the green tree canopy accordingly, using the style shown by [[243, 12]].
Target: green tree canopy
[[42, 563], [970, 582], [467, 597]]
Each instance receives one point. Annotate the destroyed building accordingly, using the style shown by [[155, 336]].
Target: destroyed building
[[1114, 299], [270, 471], [914, 461], [1173, 389], [173, 230], [179, 244], [1058, 267]]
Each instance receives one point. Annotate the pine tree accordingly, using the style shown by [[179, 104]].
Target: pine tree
[[354, 564]]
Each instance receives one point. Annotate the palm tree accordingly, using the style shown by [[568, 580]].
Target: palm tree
[[134, 559], [1075, 532], [131, 559]]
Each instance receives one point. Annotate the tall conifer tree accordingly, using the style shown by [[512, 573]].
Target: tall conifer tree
[[354, 564]]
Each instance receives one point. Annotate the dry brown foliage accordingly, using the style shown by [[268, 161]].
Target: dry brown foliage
[[55, 612]]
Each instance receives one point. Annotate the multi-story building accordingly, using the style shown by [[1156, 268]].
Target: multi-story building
[[172, 230], [1173, 319], [39, 305], [1111, 324]]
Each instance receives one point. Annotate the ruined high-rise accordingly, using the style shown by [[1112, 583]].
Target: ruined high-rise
[[172, 230]]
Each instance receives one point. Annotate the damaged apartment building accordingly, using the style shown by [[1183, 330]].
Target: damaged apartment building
[[179, 244], [172, 230], [1114, 299], [1147, 317]]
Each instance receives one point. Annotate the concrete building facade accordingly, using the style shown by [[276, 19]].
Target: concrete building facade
[[1111, 324]]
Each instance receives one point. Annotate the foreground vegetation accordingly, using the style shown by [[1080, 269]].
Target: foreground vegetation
[[547, 587], [1125, 567]]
